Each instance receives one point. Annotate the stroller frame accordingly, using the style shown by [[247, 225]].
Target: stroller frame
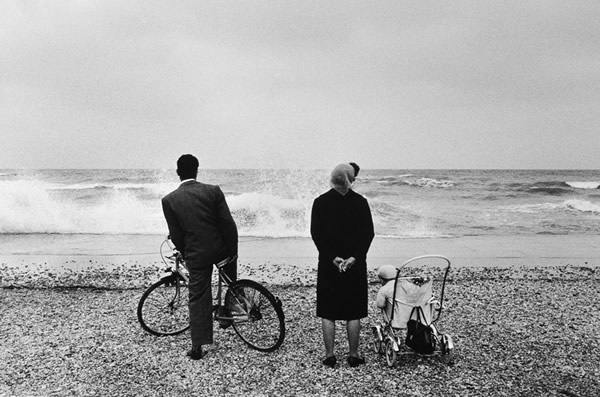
[[388, 340]]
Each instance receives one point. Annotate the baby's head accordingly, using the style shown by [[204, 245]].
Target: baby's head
[[386, 273]]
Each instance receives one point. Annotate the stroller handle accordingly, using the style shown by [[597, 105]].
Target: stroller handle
[[416, 258]]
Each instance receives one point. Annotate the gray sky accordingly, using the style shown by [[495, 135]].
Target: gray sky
[[253, 84]]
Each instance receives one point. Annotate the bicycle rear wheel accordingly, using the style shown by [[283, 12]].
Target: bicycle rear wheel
[[257, 315], [163, 308]]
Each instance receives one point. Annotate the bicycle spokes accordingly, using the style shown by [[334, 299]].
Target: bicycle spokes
[[163, 309], [257, 318]]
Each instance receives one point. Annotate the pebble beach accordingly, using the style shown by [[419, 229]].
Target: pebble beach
[[523, 323]]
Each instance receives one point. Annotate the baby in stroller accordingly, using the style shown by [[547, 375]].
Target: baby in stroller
[[402, 299], [409, 292]]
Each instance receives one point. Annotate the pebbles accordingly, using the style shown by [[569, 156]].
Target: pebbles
[[515, 334]]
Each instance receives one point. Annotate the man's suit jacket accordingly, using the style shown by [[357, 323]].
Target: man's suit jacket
[[200, 223]]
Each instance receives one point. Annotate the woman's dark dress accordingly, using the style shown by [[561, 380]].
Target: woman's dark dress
[[342, 226]]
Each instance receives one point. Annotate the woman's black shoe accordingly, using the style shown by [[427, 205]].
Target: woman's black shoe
[[330, 361], [355, 361]]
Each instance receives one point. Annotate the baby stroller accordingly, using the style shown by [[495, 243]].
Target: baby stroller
[[413, 299]]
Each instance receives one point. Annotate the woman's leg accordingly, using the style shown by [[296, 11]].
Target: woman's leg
[[328, 335], [353, 330]]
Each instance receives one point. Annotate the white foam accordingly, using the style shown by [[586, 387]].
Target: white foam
[[584, 185], [533, 208], [267, 215], [36, 207], [158, 188], [27, 207], [430, 182], [386, 179], [582, 206], [567, 205]]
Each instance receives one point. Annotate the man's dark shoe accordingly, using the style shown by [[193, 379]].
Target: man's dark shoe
[[355, 361], [223, 324], [330, 362], [196, 353]]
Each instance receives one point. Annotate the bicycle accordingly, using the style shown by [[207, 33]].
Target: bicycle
[[255, 314]]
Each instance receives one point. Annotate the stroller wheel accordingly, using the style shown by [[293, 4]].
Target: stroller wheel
[[446, 344], [390, 353], [447, 348], [377, 343]]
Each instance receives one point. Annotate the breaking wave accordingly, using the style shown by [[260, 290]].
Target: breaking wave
[[584, 185]]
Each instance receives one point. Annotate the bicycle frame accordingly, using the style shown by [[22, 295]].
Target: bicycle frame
[[177, 258], [254, 313], [223, 277]]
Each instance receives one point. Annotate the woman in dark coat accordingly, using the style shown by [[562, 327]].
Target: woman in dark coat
[[342, 229]]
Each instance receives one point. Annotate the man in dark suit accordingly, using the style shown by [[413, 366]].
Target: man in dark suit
[[203, 230]]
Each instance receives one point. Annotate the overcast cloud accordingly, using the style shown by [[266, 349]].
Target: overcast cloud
[[252, 84]]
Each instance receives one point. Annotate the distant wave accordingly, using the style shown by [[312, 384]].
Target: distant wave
[[430, 182], [162, 188], [31, 207], [394, 183], [415, 235], [395, 180], [551, 188], [83, 186], [385, 178], [552, 191], [421, 204], [402, 180], [584, 185], [583, 206]]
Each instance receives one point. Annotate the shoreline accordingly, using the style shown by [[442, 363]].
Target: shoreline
[[133, 261], [464, 251]]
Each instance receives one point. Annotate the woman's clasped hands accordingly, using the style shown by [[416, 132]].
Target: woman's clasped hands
[[344, 264]]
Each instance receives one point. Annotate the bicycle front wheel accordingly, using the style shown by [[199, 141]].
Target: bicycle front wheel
[[257, 315], [163, 308]]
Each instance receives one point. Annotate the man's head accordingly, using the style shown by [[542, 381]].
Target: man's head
[[187, 167]]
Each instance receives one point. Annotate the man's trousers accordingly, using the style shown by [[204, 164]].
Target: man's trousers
[[201, 300]]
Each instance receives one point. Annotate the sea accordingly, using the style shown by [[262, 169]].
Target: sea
[[276, 203]]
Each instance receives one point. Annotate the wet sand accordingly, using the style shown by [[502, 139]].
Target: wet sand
[[134, 261]]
